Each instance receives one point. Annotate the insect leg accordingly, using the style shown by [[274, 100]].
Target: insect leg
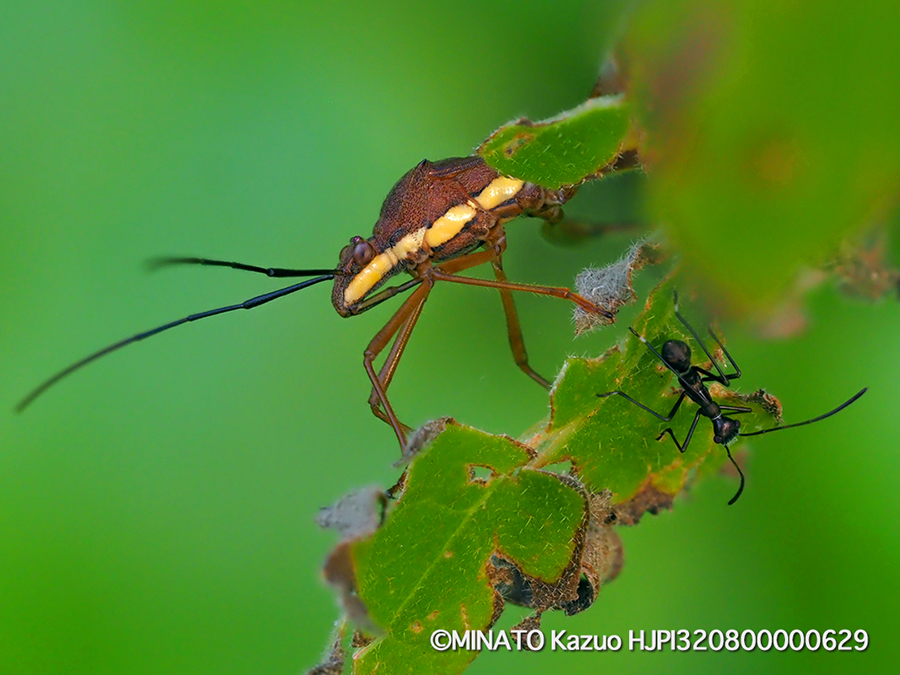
[[564, 293], [407, 314], [514, 328], [737, 374], [571, 232], [687, 439], [493, 255], [386, 374], [735, 409], [723, 378], [641, 405]]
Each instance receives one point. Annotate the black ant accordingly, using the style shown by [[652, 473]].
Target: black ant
[[676, 356]]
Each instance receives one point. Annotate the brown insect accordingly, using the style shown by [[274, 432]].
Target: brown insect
[[440, 219]]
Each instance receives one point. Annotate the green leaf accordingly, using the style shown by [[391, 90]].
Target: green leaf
[[770, 131], [426, 568], [431, 565], [563, 150], [610, 442]]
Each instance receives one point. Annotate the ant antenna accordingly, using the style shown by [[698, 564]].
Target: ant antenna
[[247, 304], [815, 419], [740, 473]]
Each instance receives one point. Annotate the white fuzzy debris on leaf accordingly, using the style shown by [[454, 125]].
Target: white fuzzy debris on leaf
[[610, 287]]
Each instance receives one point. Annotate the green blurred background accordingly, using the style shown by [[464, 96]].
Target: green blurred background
[[156, 510]]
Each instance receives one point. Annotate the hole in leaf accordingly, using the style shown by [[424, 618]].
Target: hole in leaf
[[481, 474]]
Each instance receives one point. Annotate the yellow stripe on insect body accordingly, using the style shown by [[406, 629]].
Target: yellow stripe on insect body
[[457, 217], [370, 275], [440, 232], [500, 190], [449, 225], [381, 264]]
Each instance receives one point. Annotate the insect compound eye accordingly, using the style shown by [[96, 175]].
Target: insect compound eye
[[363, 252], [737, 424], [717, 439]]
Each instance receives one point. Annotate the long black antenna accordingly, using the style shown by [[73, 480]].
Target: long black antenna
[[815, 419], [247, 304], [156, 263], [740, 473]]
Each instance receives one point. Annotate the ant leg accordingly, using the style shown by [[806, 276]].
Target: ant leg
[[737, 374], [403, 321], [687, 439], [723, 378], [736, 409], [668, 418]]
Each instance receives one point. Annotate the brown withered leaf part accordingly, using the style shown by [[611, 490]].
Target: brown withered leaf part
[[334, 664], [603, 554], [862, 268], [340, 573], [597, 559], [788, 317], [611, 287], [612, 79], [528, 624], [649, 499], [514, 586], [421, 438], [360, 640], [760, 397], [354, 516]]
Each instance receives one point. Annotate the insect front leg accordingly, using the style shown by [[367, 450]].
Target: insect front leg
[[401, 325], [667, 418], [687, 439]]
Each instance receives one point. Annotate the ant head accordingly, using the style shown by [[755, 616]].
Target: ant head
[[725, 430], [678, 355]]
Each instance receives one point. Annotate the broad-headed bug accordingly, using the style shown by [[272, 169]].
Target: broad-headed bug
[[432, 224], [676, 356]]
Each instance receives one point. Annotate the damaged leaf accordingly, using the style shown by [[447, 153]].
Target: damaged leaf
[[610, 442], [600, 561], [565, 149], [430, 565]]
